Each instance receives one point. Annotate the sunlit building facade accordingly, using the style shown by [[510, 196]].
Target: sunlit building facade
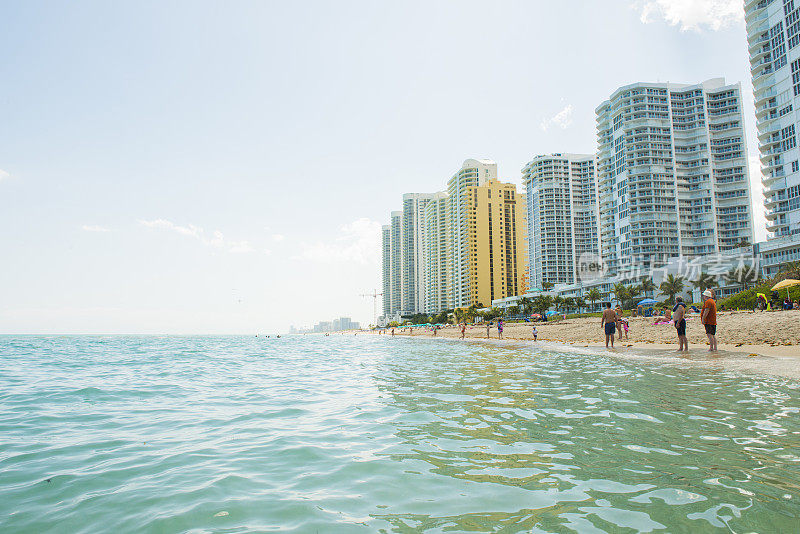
[[773, 35], [435, 254], [562, 213], [413, 264], [471, 174], [672, 173], [495, 242]]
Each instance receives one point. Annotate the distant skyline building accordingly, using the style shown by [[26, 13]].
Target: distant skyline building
[[413, 264], [773, 36], [435, 254], [672, 173], [472, 173], [562, 214], [337, 325], [395, 261], [495, 242], [386, 264]]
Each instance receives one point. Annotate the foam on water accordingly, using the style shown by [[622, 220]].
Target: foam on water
[[372, 433]]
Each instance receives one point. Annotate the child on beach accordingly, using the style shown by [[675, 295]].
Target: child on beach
[[625, 327], [463, 329], [534, 332]]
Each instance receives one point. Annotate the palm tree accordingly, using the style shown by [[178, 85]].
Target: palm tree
[[558, 303], [526, 305], [736, 277], [580, 303], [472, 312], [671, 286], [635, 290], [569, 303], [792, 269], [648, 286], [547, 286], [594, 295], [704, 282], [513, 310], [542, 303], [621, 292]]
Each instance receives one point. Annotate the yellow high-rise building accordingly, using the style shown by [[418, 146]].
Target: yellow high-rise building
[[496, 241]]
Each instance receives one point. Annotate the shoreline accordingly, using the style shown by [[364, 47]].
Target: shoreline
[[773, 358]]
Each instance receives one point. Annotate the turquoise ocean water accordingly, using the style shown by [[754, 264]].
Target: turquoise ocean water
[[374, 434]]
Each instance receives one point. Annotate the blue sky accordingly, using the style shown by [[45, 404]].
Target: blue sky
[[224, 167]]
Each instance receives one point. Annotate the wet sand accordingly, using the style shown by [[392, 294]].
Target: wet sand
[[761, 342]]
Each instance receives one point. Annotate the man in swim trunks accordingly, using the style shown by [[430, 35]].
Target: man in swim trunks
[[679, 316], [609, 323], [463, 329], [708, 316]]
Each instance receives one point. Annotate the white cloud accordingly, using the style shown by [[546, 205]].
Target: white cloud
[[562, 119], [239, 247], [278, 237], [3, 175], [358, 242], [94, 228], [216, 240], [692, 14]]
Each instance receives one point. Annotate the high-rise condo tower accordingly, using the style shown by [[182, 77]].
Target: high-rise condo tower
[[672, 173]]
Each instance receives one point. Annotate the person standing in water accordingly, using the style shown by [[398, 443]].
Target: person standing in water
[[679, 316], [708, 316], [609, 322], [500, 329], [534, 332], [463, 329]]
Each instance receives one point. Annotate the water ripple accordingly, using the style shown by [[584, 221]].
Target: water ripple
[[372, 434]]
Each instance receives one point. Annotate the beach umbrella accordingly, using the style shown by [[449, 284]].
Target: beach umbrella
[[787, 284], [647, 302]]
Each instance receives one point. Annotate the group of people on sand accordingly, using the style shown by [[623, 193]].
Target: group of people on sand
[[612, 321]]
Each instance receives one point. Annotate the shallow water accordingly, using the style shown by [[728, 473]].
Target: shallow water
[[374, 434]]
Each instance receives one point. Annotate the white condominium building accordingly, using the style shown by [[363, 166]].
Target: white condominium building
[[386, 243], [412, 293], [435, 250], [396, 262], [773, 36], [472, 173], [562, 214], [672, 173]]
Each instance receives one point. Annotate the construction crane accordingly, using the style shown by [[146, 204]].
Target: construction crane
[[374, 296]]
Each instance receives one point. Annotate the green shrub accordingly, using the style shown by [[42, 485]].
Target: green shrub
[[746, 300]]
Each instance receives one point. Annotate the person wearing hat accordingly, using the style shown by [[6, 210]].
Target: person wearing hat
[[708, 316]]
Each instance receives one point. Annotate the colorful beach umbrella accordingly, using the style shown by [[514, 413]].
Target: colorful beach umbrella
[[647, 302], [789, 282], [785, 283]]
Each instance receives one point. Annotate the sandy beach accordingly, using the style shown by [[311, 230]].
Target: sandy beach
[[764, 333]]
